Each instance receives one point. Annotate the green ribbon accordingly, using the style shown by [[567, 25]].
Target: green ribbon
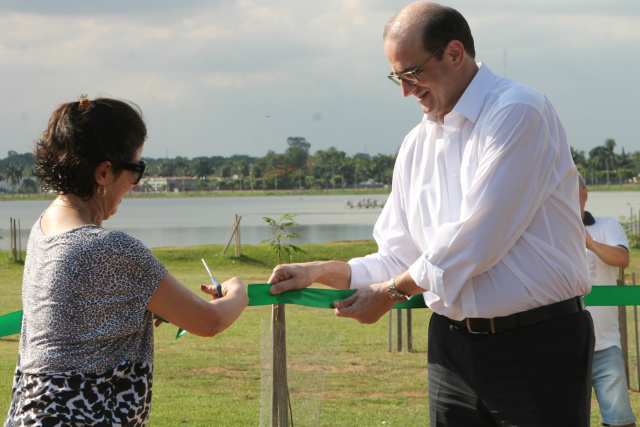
[[313, 297], [180, 333], [323, 298], [613, 295], [10, 323]]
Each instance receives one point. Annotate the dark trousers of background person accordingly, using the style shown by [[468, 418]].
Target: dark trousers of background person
[[538, 375]]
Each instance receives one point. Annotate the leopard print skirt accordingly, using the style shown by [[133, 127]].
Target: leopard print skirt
[[119, 397]]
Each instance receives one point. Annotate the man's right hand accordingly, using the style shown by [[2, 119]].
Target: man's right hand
[[336, 274], [290, 276]]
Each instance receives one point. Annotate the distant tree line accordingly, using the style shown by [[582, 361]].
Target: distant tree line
[[16, 169], [603, 166], [297, 168]]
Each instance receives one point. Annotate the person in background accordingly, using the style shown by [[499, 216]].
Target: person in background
[[607, 250], [89, 293], [483, 221]]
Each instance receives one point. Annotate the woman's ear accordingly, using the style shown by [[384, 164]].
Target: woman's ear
[[104, 173]]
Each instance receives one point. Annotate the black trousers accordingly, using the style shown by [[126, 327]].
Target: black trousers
[[539, 375]]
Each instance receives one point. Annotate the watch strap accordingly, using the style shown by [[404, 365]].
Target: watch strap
[[395, 294]]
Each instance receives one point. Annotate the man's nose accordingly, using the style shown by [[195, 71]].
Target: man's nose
[[407, 88]]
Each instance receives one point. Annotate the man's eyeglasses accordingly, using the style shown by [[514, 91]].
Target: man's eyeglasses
[[136, 168], [411, 77]]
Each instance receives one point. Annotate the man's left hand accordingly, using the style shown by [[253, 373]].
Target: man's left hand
[[367, 305]]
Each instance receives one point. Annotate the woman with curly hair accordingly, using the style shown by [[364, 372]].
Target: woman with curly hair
[[89, 293]]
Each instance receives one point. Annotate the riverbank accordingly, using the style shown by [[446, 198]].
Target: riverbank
[[263, 193], [219, 193]]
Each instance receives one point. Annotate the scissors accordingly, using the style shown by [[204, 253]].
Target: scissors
[[213, 280]]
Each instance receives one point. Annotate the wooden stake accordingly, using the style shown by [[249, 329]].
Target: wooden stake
[[279, 385]]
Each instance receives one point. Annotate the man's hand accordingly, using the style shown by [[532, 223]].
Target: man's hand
[[336, 274], [367, 305], [290, 276]]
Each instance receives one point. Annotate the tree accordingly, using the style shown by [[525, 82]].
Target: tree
[[602, 158], [13, 174], [29, 186], [180, 166], [329, 163], [298, 152], [610, 144], [200, 167], [241, 167], [382, 168], [282, 235], [202, 185], [226, 170], [610, 158], [162, 168], [579, 158]]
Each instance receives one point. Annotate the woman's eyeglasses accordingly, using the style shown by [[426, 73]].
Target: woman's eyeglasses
[[136, 168]]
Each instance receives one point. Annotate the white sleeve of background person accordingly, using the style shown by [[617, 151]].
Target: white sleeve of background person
[[605, 318]]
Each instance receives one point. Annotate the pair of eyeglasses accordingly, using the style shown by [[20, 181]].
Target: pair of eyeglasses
[[136, 168], [411, 77]]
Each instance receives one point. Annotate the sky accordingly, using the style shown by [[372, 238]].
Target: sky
[[218, 78]]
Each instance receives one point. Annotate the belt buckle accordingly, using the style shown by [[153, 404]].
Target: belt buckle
[[493, 327]]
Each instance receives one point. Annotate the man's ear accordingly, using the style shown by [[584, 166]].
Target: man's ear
[[455, 53]]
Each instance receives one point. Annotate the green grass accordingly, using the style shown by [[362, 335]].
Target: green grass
[[216, 381]]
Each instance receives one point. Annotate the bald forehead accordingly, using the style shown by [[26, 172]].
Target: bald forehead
[[410, 22]]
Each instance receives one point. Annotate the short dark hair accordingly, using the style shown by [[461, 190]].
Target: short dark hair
[[80, 136], [443, 25], [440, 25]]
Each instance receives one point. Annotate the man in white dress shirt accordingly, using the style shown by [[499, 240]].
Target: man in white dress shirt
[[607, 250], [483, 221]]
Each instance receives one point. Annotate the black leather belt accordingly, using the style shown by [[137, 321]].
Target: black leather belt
[[479, 325]]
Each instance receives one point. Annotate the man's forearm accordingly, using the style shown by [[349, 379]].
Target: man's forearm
[[611, 255], [336, 274], [405, 283]]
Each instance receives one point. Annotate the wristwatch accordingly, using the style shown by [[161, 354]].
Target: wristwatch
[[395, 294]]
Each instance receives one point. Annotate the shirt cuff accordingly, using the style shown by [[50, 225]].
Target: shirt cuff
[[361, 274], [429, 278]]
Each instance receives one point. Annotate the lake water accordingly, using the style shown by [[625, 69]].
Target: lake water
[[199, 221]]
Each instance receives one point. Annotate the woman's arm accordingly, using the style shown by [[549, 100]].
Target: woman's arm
[[180, 306]]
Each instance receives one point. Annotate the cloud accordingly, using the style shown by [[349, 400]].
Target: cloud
[[213, 70]]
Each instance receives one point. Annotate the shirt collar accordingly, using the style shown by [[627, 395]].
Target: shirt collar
[[588, 219], [470, 103]]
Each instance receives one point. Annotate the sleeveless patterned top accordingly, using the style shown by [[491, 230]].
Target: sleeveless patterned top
[[86, 346]]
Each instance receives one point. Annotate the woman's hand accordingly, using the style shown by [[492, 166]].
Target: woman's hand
[[182, 307]]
